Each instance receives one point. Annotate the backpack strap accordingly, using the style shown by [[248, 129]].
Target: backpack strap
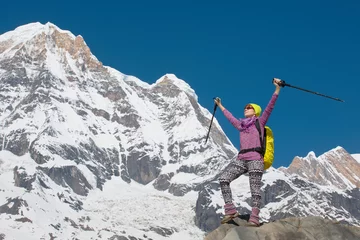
[[262, 141]]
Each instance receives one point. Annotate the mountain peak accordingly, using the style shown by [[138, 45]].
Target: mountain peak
[[311, 155], [335, 167], [170, 77], [26, 32], [39, 43]]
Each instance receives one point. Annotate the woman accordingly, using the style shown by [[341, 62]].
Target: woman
[[248, 160]]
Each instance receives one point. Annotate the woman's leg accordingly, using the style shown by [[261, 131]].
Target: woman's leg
[[256, 169], [234, 170]]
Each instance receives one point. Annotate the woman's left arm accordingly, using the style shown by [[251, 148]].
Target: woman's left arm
[[267, 112]]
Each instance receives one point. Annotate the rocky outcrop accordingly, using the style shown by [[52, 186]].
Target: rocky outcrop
[[13, 206], [143, 169], [307, 228], [22, 179], [69, 176], [16, 142], [349, 202], [162, 182], [206, 218]]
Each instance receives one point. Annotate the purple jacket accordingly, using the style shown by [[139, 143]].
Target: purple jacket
[[251, 138]]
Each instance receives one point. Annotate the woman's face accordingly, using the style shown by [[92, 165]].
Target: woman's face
[[249, 111]]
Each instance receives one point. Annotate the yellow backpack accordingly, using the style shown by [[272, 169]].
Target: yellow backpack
[[267, 145], [269, 148]]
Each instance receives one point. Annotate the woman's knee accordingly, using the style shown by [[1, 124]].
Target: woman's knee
[[224, 180]]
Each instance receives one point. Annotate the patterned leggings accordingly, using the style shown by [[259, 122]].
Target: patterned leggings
[[234, 170]]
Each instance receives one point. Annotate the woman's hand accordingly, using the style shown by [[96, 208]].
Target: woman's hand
[[277, 83], [217, 101]]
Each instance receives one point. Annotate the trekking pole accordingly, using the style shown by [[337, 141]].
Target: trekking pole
[[212, 118], [283, 84]]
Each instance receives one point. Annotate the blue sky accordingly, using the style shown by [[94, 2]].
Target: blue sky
[[231, 49]]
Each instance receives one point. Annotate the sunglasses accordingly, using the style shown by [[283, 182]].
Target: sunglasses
[[248, 107]]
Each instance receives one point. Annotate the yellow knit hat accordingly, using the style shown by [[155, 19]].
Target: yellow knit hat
[[257, 109]]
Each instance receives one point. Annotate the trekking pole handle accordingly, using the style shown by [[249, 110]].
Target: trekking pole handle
[[217, 99], [282, 83]]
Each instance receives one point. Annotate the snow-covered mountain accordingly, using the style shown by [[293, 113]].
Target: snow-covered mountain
[[71, 127], [87, 152]]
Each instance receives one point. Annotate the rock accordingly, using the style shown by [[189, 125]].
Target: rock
[[13, 206], [179, 189], [23, 219], [307, 228], [17, 142], [101, 112], [22, 179], [142, 168], [117, 237], [68, 176], [162, 231], [206, 217], [162, 183]]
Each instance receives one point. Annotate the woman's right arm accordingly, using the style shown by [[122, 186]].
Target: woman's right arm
[[235, 122]]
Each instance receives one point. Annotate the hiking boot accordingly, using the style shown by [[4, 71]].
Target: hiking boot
[[229, 217], [230, 212], [254, 217]]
